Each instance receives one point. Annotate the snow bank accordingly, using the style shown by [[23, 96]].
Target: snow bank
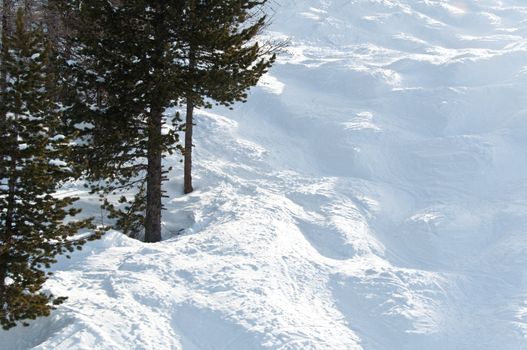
[[370, 195]]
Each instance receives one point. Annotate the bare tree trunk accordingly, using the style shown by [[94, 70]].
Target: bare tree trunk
[[189, 123], [189, 129], [154, 178]]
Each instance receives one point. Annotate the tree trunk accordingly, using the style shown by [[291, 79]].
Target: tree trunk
[[189, 129], [189, 124], [154, 178]]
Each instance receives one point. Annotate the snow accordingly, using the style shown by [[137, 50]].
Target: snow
[[57, 163], [370, 195]]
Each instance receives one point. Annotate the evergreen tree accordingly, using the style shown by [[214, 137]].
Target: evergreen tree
[[134, 59], [123, 60], [35, 226], [222, 58]]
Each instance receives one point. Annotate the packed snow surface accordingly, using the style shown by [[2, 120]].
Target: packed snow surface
[[372, 194]]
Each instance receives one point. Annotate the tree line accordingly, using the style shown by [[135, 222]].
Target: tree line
[[85, 91]]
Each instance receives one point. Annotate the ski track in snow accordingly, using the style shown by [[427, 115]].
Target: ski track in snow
[[370, 195]]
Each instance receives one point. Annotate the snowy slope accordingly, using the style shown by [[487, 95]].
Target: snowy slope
[[370, 195]]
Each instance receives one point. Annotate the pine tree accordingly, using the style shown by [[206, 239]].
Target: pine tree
[[135, 59], [126, 77], [223, 59], [35, 225]]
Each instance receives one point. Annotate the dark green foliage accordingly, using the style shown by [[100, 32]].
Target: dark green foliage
[[128, 213], [219, 37], [35, 225], [122, 60], [132, 60]]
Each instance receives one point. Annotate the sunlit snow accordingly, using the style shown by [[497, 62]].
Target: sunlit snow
[[372, 194]]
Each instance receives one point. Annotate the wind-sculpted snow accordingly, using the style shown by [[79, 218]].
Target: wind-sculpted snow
[[370, 195]]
